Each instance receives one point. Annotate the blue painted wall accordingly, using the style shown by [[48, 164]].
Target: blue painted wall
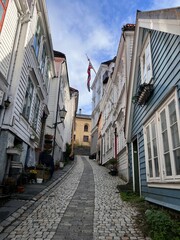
[[165, 50]]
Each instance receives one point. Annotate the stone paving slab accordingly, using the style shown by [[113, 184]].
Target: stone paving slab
[[77, 222], [84, 206]]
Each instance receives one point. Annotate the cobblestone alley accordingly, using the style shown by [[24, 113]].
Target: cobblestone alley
[[84, 205]]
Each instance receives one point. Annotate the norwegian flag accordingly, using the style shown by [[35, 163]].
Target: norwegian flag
[[89, 74]]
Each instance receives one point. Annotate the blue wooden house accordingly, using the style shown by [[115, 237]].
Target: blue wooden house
[[152, 125]]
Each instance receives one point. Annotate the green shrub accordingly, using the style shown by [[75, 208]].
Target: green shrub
[[130, 196], [162, 227]]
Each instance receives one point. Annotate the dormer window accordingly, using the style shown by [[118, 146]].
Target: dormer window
[[146, 62], [105, 77]]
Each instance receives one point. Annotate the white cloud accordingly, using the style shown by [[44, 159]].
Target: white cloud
[[77, 31], [91, 27]]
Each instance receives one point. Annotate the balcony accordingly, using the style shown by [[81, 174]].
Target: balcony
[[143, 94]]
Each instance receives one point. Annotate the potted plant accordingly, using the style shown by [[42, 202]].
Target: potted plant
[[112, 163]]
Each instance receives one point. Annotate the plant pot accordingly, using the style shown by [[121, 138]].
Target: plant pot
[[61, 164], [39, 180], [20, 189]]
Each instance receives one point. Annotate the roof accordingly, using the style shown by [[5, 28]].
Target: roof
[[73, 89], [168, 13], [59, 54], [109, 61], [85, 116]]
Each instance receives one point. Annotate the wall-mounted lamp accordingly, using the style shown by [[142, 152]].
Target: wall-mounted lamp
[[32, 137], [62, 114], [7, 102]]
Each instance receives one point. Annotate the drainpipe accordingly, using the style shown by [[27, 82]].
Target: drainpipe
[[115, 142]]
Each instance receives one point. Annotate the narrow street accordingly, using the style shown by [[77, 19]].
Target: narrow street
[[84, 205]]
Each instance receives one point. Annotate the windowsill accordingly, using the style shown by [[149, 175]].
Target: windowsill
[[171, 185]]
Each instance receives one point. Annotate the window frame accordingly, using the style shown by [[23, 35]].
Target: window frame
[[4, 7], [36, 111], [28, 99], [163, 178], [37, 38], [85, 138], [147, 44], [43, 59], [86, 128]]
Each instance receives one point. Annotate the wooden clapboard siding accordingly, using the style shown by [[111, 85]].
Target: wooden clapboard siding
[[165, 51], [123, 165], [21, 126], [7, 37]]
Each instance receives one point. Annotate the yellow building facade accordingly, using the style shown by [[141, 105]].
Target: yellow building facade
[[82, 131]]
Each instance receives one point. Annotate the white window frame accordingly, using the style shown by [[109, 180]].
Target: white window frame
[[37, 38], [163, 178], [28, 98], [146, 62], [36, 111]]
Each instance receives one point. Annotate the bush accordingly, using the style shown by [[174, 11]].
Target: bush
[[162, 227], [152, 220]]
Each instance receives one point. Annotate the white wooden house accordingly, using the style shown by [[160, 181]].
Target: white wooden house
[[120, 83], [97, 93], [26, 66], [61, 96]]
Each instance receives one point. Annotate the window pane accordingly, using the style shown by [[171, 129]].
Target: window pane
[[156, 166], [165, 141], [86, 128], [163, 120], [154, 147], [168, 164], [177, 161], [175, 136], [148, 135], [85, 138], [150, 169], [153, 130], [172, 112], [149, 150]]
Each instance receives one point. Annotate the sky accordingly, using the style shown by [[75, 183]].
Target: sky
[[93, 28]]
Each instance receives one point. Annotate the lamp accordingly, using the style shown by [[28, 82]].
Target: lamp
[[7, 102], [62, 114]]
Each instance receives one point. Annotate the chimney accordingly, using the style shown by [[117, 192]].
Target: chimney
[[80, 111]]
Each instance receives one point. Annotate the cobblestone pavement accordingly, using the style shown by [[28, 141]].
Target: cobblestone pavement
[[70, 210]]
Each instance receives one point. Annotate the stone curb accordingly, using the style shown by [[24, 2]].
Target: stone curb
[[15, 215]]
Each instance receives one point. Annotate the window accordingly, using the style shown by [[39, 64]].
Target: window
[[47, 73], [146, 62], [85, 128], [36, 111], [3, 8], [85, 139], [162, 143], [37, 39], [43, 60], [28, 99]]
